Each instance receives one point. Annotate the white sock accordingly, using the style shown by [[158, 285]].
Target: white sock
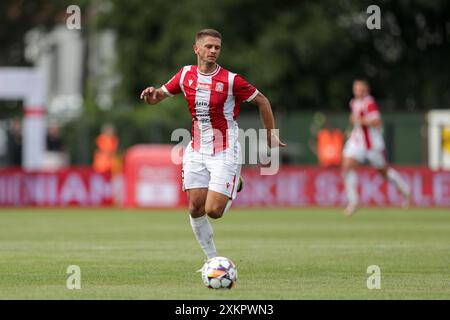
[[351, 186], [204, 234], [228, 206], [395, 177]]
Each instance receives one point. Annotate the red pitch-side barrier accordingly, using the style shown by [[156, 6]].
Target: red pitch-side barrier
[[313, 186], [68, 187], [159, 185], [151, 178]]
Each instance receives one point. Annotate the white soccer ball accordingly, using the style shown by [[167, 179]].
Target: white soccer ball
[[219, 273]]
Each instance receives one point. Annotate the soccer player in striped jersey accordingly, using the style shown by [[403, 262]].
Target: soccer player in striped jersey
[[366, 144], [212, 160]]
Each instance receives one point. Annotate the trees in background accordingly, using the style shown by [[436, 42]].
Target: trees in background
[[302, 54]]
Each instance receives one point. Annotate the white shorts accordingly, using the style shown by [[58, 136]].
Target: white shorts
[[375, 157], [219, 172]]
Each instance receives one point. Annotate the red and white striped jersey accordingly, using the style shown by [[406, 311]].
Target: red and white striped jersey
[[213, 100], [369, 137]]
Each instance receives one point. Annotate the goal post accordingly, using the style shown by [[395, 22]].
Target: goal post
[[439, 139]]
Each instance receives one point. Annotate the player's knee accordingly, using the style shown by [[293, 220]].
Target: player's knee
[[346, 164], [196, 209], [345, 170], [383, 172], [214, 212]]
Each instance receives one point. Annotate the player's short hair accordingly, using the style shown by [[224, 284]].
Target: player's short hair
[[207, 32]]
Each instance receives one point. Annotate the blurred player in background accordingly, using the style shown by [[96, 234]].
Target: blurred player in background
[[212, 160], [366, 144]]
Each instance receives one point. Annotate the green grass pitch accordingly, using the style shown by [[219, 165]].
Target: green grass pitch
[[280, 254]]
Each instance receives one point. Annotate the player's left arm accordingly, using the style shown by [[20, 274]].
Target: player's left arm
[[373, 117], [265, 110], [372, 122]]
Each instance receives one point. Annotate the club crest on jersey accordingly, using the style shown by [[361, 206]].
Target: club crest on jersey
[[219, 86], [190, 82]]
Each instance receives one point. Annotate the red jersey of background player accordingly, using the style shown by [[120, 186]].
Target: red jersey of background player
[[368, 137]]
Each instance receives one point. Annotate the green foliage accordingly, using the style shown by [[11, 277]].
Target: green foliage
[[301, 54], [18, 17]]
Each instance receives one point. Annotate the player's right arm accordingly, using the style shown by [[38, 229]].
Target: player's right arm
[[151, 95]]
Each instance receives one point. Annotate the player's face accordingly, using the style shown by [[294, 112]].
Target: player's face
[[360, 89], [208, 49]]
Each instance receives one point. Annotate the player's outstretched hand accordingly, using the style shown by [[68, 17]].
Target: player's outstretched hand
[[274, 141], [150, 95]]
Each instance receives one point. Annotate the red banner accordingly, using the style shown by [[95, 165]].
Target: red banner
[[159, 185], [70, 187], [314, 186]]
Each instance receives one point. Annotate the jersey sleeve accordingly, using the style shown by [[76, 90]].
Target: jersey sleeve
[[372, 110], [172, 87], [243, 90]]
